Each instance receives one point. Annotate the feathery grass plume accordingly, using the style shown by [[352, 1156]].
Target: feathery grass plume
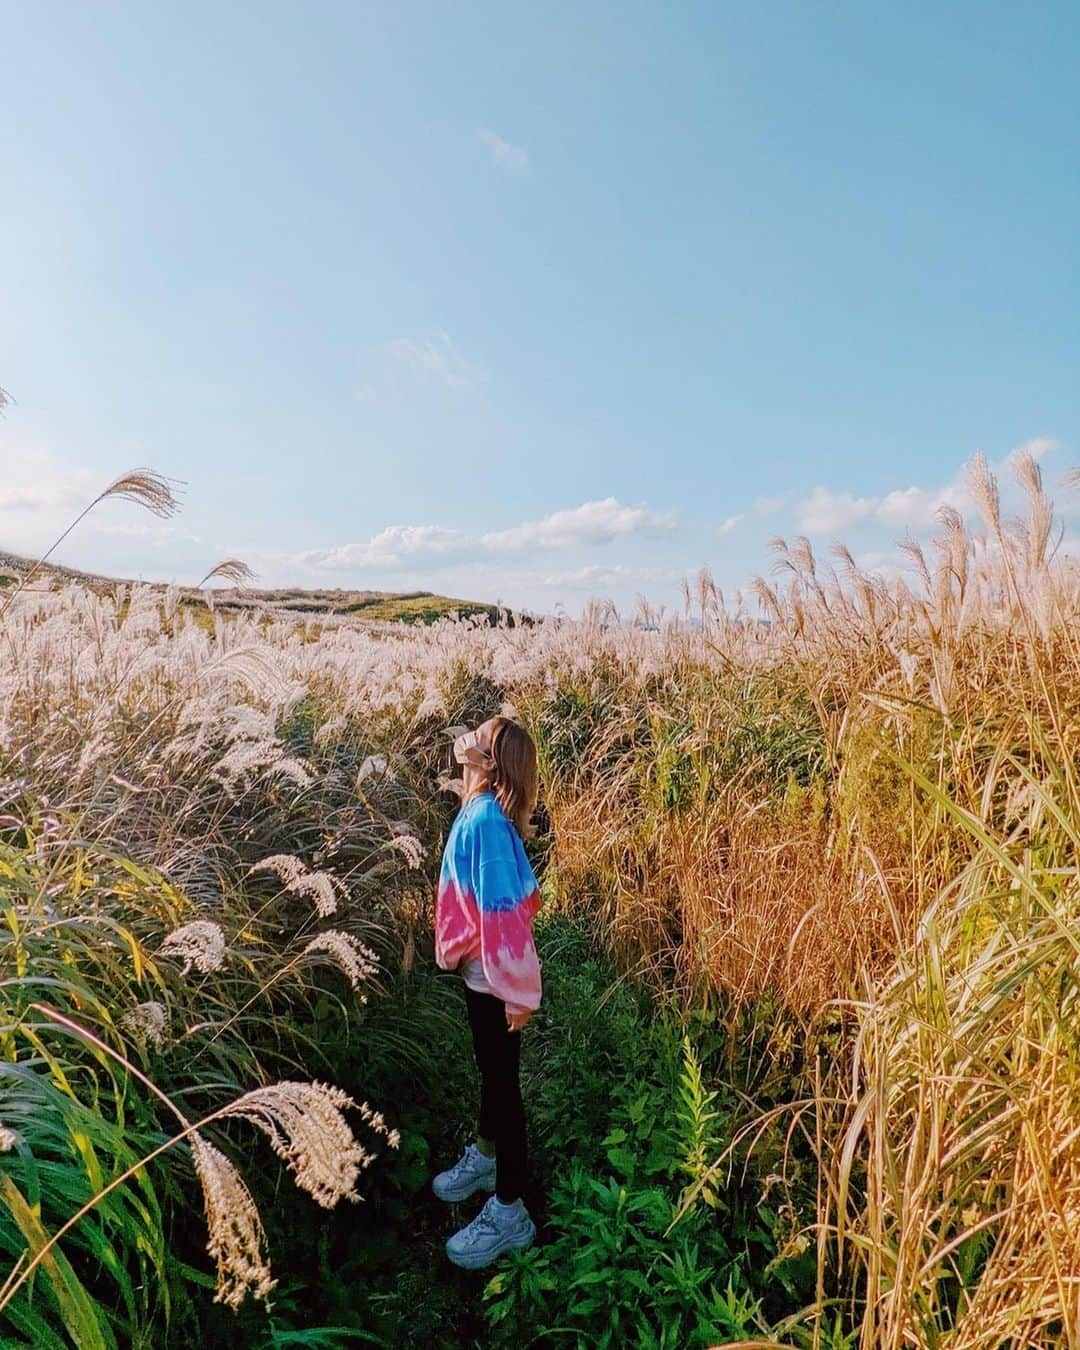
[[914, 551], [984, 490], [410, 847], [319, 888], [357, 961], [373, 764], [309, 1133], [842, 554], [145, 487], [374, 1119], [285, 866], [262, 758], [232, 570], [8, 1139], [237, 1241], [432, 705], [330, 729], [1040, 516], [307, 1130], [200, 943], [147, 1023], [5, 400], [297, 878]]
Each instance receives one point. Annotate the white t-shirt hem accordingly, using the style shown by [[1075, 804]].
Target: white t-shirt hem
[[472, 972]]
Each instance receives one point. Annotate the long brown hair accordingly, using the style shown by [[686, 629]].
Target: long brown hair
[[513, 779]]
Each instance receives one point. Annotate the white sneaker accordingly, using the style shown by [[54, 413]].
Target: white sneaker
[[496, 1229], [473, 1171]]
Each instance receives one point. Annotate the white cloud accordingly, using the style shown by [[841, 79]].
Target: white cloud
[[729, 525], [590, 523], [37, 480], [1036, 447], [595, 576], [40, 496], [824, 512], [507, 156], [912, 508], [136, 531], [768, 506], [903, 505], [396, 547], [403, 367], [435, 359], [412, 546], [883, 564]]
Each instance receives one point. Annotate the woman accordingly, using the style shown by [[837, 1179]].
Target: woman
[[483, 928]]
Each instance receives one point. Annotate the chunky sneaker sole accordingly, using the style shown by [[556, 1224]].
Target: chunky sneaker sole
[[457, 1183], [470, 1255], [514, 1241]]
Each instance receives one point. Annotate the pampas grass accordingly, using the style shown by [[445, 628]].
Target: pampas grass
[[232, 570], [306, 1129], [844, 797]]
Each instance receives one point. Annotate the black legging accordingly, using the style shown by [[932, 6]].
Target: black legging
[[502, 1116]]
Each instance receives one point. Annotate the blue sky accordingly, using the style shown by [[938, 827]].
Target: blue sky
[[529, 302]]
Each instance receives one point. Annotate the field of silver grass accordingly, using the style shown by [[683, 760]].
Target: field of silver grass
[[854, 799]]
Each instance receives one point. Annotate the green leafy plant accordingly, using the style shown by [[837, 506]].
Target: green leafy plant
[[698, 1126]]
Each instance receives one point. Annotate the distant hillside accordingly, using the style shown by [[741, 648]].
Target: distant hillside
[[382, 606]]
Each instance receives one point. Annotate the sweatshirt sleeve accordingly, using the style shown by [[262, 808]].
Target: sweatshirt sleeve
[[507, 898]]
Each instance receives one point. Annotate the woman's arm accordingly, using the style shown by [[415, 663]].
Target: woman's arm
[[506, 904]]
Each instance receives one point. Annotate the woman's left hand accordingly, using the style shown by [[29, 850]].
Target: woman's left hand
[[516, 1020]]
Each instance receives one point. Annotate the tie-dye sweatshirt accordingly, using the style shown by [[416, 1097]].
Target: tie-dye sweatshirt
[[487, 898]]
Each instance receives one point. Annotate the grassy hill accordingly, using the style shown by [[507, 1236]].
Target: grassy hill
[[375, 606]]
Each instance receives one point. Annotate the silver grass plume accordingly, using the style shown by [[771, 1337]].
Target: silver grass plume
[[287, 868], [915, 553], [410, 847], [200, 943], [1040, 519], [375, 1120], [373, 764], [842, 554], [143, 486], [147, 488], [984, 491], [309, 1133], [295, 877], [328, 730], [147, 1023], [236, 1240], [357, 961], [230, 569]]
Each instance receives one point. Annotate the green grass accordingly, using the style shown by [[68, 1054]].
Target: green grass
[[422, 607], [409, 606], [619, 1122]]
